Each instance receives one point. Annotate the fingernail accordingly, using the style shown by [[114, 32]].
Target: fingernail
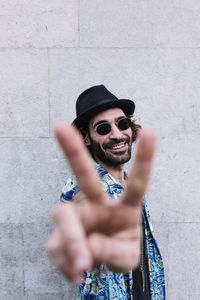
[[81, 264]]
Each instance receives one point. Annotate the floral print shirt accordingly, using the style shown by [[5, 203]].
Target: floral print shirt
[[101, 283]]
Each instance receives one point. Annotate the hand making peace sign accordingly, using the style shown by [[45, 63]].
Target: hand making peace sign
[[99, 230]]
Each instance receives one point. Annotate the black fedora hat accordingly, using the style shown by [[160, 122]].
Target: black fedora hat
[[96, 99]]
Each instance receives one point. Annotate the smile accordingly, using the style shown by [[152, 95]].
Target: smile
[[116, 147]]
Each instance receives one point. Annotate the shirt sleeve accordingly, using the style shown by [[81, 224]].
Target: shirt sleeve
[[69, 190]]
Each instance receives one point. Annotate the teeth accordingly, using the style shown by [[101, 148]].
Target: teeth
[[118, 147]]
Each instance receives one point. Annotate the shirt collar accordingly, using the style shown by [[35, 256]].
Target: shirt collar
[[103, 173]]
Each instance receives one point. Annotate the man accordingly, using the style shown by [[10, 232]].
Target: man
[[103, 239]]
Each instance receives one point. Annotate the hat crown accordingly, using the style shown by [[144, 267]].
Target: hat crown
[[96, 99], [92, 97]]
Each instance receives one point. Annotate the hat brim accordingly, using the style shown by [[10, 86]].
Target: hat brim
[[128, 106]]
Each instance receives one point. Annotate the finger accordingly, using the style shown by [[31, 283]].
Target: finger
[[108, 219], [80, 161], [140, 171], [54, 248], [119, 256], [73, 243], [80, 198]]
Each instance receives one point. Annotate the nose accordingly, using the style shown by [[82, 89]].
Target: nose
[[115, 133]]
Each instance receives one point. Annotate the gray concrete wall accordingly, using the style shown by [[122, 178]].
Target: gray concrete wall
[[52, 50]]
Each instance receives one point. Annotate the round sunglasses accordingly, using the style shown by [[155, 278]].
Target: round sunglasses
[[105, 128]]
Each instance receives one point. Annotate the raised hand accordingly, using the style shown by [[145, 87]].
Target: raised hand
[[98, 230]]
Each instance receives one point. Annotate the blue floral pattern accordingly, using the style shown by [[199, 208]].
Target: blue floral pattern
[[101, 283]]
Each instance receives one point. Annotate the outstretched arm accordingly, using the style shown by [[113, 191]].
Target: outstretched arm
[[99, 231]]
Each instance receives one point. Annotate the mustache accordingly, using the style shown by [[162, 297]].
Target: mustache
[[109, 144]]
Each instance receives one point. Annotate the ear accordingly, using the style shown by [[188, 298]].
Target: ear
[[87, 140]]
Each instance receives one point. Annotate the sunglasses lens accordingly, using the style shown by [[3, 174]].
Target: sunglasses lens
[[124, 124], [103, 129]]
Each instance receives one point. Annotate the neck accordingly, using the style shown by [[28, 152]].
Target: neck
[[117, 172]]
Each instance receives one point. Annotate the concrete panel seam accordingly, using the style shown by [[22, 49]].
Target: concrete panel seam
[[25, 137], [48, 92], [79, 23], [3, 49], [24, 288], [175, 222]]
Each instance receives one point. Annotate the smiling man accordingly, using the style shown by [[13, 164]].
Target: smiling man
[[103, 240], [113, 149]]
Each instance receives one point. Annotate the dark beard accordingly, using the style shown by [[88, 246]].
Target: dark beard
[[107, 158]]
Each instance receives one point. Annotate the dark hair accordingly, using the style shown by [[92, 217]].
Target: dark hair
[[135, 129]]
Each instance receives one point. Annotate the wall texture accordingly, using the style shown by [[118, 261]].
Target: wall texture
[[50, 51]]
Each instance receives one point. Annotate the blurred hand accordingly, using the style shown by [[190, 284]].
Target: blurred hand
[[93, 229]]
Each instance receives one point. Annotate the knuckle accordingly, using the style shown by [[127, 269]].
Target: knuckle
[[56, 210], [53, 245], [52, 248]]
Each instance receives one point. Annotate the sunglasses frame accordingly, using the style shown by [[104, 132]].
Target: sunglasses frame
[[116, 123]]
